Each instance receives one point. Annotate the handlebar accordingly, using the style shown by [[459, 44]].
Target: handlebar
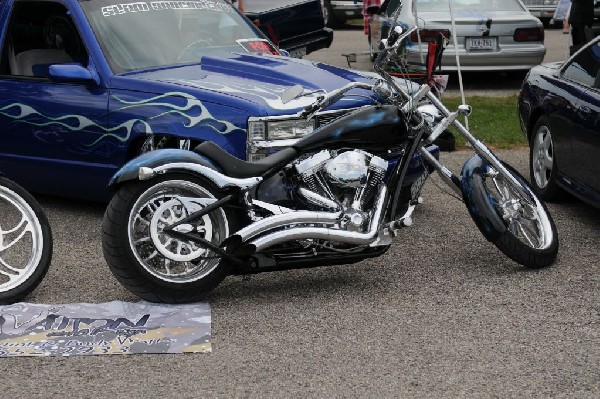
[[331, 98], [391, 45]]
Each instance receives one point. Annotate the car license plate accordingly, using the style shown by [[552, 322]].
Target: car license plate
[[298, 52], [481, 43]]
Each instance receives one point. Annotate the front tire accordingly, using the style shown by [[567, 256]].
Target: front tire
[[149, 262], [25, 242], [519, 226]]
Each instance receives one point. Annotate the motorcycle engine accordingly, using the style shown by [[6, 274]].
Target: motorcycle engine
[[341, 181]]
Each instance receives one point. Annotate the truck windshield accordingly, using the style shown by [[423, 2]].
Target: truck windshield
[[146, 34]]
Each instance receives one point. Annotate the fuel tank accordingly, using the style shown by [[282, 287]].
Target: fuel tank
[[374, 128]]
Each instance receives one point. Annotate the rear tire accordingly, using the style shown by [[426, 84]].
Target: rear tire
[[531, 237], [25, 242], [151, 263]]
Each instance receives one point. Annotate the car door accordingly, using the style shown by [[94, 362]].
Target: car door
[[51, 132], [585, 133]]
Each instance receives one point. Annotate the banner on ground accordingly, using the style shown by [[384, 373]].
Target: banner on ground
[[105, 328]]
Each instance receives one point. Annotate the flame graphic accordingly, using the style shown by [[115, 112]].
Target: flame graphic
[[24, 113]]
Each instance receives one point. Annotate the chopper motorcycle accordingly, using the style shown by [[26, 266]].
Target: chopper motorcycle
[[25, 242], [181, 221]]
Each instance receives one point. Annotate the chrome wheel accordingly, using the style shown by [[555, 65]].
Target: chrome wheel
[[525, 217], [163, 255], [542, 156], [21, 240]]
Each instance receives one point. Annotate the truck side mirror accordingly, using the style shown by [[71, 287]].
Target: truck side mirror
[[73, 72]]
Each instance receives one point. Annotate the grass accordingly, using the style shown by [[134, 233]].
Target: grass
[[494, 121]]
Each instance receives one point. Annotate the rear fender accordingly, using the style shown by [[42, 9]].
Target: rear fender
[[477, 199], [158, 158]]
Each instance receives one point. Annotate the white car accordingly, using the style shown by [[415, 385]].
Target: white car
[[492, 35]]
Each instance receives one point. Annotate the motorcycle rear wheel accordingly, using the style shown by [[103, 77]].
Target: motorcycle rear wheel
[[530, 237], [151, 263], [25, 242]]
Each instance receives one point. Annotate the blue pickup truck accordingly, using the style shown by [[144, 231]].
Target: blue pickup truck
[[87, 85]]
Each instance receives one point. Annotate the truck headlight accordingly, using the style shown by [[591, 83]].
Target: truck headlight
[[256, 130], [280, 130], [289, 129]]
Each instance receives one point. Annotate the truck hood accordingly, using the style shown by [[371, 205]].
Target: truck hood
[[249, 81]]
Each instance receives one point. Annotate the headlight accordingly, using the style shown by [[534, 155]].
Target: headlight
[[280, 130], [256, 130], [289, 129]]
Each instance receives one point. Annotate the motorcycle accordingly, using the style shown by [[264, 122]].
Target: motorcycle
[[181, 221], [25, 242]]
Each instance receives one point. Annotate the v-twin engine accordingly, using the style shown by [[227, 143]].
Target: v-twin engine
[[345, 181]]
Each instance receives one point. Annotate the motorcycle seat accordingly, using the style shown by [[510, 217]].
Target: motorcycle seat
[[235, 167]]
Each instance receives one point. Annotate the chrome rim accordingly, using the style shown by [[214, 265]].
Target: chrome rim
[[21, 240], [525, 217], [542, 157], [162, 255]]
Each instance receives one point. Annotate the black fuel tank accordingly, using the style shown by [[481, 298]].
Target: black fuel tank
[[375, 128]]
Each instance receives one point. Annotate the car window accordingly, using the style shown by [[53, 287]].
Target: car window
[[146, 34], [40, 34], [584, 67], [468, 5]]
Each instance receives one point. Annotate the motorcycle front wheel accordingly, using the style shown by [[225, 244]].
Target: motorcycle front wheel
[[519, 226], [148, 261], [25, 242]]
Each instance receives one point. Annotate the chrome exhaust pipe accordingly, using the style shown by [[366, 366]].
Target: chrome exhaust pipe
[[324, 233], [318, 200], [286, 219]]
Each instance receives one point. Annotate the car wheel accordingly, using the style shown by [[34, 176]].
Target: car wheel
[[542, 162], [330, 19]]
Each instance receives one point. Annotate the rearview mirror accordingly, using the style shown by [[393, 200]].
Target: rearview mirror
[[291, 93]]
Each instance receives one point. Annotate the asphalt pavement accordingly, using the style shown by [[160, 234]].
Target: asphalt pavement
[[443, 314]]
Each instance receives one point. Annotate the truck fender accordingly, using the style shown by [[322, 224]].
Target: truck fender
[[477, 199]]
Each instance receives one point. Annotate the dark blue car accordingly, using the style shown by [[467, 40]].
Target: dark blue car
[[559, 109]]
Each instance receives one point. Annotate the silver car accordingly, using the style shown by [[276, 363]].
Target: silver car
[[492, 35], [543, 9]]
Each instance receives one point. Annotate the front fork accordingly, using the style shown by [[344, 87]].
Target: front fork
[[450, 118]]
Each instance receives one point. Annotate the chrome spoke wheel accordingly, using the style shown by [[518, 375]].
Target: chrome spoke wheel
[[21, 240], [164, 255], [542, 156], [524, 217]]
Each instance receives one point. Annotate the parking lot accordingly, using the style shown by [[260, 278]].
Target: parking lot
[[442, 314]]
